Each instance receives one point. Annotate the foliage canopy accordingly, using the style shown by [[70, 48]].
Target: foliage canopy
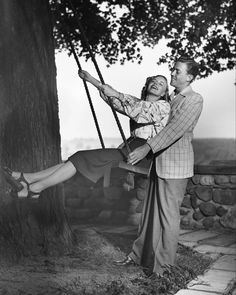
[[204, 29]]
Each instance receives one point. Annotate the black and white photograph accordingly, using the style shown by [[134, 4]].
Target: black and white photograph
[[117, 147]]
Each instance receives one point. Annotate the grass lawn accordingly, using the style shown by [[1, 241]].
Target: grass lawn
[[88, 269]]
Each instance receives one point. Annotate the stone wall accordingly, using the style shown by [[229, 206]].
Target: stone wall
[[120, 203], [209, 202]]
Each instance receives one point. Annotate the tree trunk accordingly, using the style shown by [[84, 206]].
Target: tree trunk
[[29, 124]]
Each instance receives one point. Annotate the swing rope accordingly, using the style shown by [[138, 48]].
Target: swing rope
[[84, 38], [88, 95]]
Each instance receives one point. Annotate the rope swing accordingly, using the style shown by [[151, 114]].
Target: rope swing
[[88, 95], [122, 164], [85, 40]]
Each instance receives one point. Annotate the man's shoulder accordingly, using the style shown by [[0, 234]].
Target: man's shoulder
[[193, 96], [196, 97]]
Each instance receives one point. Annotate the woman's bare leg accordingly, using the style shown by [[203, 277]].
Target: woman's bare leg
[[61, 174], [39, 175]]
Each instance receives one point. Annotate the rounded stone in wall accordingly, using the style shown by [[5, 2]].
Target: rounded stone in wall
[[186, 202], [133, 204], [129, 194], [195, 202], [220, 211], [129, 182], [217, 224], [141, 194], [197, 224], [190, 187], [134, 219], [183, 211], [229, 219], [186, 220], [197, 215], [222, 179], [142, 182], [224, 196], [139, 208], [207, 180], [204, 193], [233, 178], [208, 222], [208, 209], [196, 179], [127, 187]]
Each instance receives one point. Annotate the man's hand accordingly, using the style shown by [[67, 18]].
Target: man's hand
[[138, 154]]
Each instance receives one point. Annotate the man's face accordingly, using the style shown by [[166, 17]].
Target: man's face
[[179, 75]]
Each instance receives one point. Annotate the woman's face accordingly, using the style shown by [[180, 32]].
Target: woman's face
[[156, 88]]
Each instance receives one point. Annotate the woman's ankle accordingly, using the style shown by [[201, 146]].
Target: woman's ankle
[[23, 177]]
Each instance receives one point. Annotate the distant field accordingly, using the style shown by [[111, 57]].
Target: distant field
[[205, 149], [214, 149]]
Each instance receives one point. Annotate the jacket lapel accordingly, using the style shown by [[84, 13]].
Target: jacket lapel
[[177, 100]]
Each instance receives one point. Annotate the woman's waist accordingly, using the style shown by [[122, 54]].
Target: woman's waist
[[142, 133], [134, 142]]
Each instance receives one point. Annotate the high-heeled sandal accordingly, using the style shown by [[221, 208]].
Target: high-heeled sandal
[[15, 184], [31, 195], [21, 178]]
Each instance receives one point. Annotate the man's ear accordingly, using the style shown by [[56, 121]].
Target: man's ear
[[190, 78]]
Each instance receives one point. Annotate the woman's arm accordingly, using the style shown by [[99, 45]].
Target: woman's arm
[[133, 107], [107, 93], [104, 88], [144, 111], [87, 77], [115, 102]]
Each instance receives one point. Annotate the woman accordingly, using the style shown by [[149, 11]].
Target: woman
[[149, 115]]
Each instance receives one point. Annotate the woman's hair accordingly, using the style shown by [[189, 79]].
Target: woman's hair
[[166, 95]]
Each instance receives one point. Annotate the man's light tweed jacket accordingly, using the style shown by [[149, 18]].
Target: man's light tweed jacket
[[177, 159]]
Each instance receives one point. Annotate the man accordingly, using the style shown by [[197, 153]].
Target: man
[[157, 241]]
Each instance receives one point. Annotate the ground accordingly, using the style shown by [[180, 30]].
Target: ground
[[89, 269]]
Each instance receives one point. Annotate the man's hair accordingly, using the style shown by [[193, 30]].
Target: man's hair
[[192, 65]]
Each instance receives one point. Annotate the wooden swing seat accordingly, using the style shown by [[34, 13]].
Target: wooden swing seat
[[128, 167]]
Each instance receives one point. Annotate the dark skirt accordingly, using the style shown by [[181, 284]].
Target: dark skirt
[[93, 164]]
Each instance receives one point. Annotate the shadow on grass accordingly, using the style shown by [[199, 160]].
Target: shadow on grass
[[88, 269], [131, 280]]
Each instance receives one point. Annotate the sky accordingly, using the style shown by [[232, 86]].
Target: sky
[[216, 121]]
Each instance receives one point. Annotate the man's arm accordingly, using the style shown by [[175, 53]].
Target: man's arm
[[175, 129], [178, 125]]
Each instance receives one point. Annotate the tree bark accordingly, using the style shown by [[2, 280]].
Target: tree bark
[[29, 123]]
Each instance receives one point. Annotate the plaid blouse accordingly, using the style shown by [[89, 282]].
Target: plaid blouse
[[175, 157], [143, 113]]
